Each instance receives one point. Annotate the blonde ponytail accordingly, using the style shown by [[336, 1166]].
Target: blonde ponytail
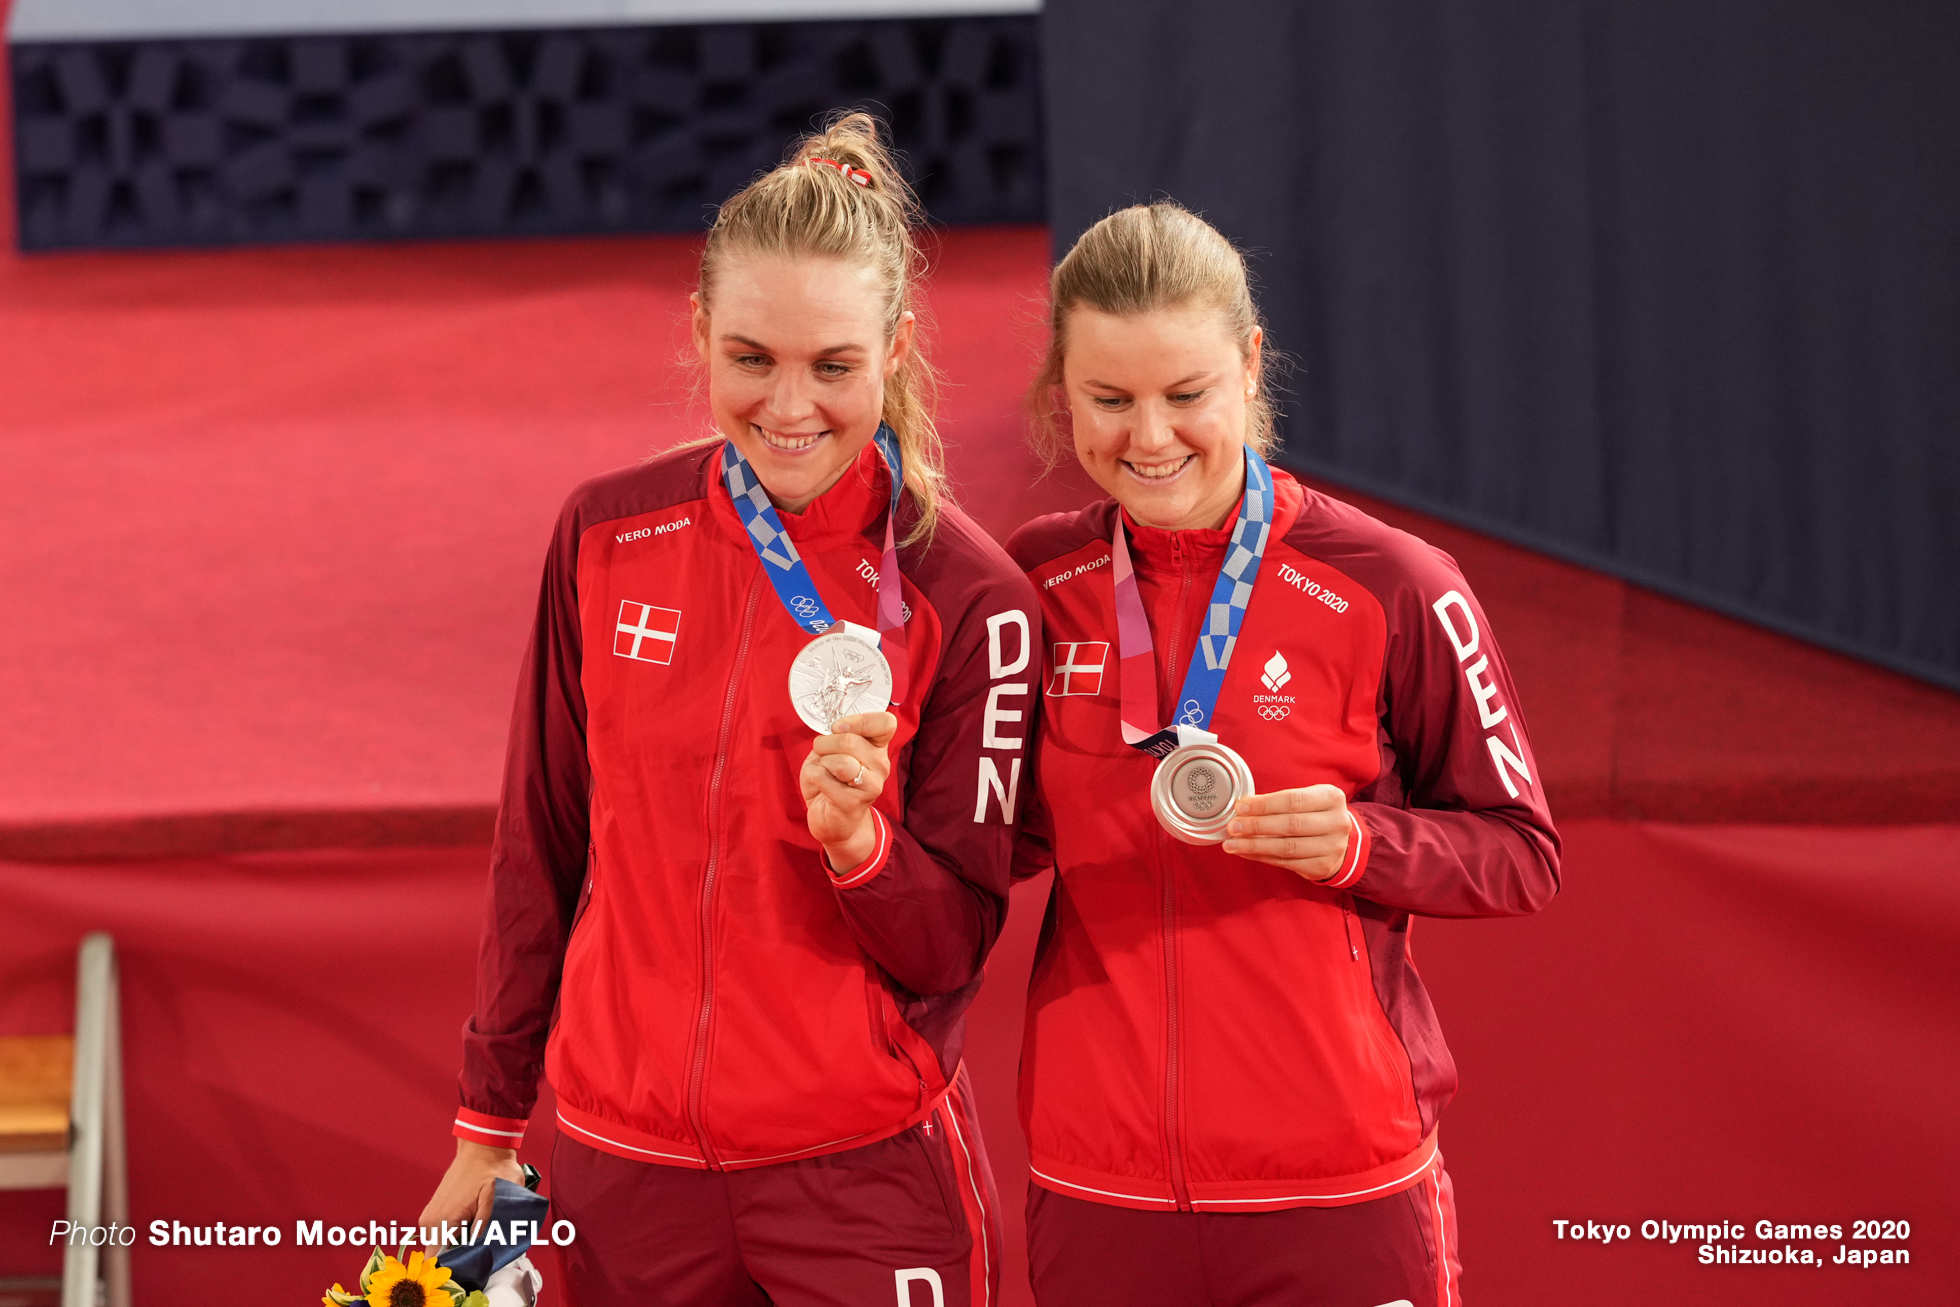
[[838, 194]]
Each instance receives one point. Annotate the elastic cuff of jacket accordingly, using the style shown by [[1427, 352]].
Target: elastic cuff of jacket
[[481, 1128], [880, 854], [1356, 861]]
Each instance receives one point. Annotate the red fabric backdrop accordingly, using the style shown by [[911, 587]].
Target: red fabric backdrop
[[1711, 1023]]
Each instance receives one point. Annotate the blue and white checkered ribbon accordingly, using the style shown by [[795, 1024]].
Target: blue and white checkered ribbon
[[1230, 594], [785, 567]]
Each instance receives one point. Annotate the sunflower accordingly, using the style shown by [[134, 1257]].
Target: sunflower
[[418, 1284]]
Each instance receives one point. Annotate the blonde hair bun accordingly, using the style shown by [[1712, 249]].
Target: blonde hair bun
[[838, 193]]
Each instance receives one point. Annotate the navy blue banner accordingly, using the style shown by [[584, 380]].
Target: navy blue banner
[[1668, 288]]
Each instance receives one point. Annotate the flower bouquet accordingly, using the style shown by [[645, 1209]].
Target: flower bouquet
[[419, 1282], [485, 1267]]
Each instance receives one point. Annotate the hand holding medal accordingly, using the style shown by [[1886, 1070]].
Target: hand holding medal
[[1199, 781], [1203, 791], [1304, 830], [843, 775]]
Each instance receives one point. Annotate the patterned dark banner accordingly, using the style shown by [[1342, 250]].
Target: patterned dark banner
[[470, 134]]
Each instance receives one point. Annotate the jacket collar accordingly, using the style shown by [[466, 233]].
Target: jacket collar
[[1156, 550], [850, 510]]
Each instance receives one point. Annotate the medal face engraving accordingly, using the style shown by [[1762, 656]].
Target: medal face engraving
[[1194, 789], [836, 675]]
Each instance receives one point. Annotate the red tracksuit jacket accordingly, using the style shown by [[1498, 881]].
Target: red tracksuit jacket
[[1206, 1032], [722, 1000]]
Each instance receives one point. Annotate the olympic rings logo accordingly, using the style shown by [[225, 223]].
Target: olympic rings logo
[[804, 606], [1274, 712], [1193, 715]]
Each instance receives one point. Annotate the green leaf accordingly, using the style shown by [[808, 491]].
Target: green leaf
[[374, 1264], [455, 1289], [477, 1299], [346, 1299]]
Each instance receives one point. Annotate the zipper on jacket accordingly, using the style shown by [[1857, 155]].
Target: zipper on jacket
[[1173, 1131], [700, 1069], [1347, 925]]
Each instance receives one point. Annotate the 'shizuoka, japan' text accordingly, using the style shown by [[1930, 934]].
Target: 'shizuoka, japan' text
[[1767, 1243]]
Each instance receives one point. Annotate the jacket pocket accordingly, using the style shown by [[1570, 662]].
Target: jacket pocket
[[875, 1000], [884, 1015]]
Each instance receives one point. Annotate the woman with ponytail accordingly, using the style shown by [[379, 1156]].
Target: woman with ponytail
[[758, 809]]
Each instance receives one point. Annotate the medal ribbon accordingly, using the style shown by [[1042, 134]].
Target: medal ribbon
[[785, 567], [1136, 669]]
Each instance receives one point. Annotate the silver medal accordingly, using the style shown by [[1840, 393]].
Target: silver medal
[[836, 675], [1194, 789]]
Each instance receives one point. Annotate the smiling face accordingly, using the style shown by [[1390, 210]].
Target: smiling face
[[1158, 404], [797, 361]]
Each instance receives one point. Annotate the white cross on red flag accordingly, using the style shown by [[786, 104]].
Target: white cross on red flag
[[1077, 667], [646, 633]]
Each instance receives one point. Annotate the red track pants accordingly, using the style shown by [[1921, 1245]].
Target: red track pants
[[912, 1219], [1398, 1251]]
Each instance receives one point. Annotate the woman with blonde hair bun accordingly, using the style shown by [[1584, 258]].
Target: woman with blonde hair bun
[[756, 832], [1274, 732]]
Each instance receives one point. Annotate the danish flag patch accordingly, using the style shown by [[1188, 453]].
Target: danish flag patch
[[645, 633], [1077, 668]]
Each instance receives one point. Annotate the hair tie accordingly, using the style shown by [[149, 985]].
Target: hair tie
[[858, 175]]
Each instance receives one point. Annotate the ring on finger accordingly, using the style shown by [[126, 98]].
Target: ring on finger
[[855, 779]]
